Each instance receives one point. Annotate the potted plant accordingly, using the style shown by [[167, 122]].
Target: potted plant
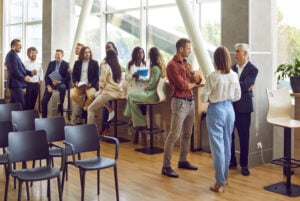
[[291, 71]]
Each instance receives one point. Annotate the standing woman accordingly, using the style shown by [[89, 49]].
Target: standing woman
[[157, 70], [221, 89], [110, 84]]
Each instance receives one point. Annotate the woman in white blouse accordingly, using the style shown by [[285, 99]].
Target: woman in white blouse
[[221, 89]]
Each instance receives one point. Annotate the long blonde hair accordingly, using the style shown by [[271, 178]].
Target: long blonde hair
[[156, 59]]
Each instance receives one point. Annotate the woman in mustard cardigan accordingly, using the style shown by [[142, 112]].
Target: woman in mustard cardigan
[[132, 110]]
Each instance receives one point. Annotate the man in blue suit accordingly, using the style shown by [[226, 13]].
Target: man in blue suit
[[60, 83], [243, 108], [17, 73]]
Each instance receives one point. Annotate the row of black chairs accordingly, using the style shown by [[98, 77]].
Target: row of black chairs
[[20, 136]]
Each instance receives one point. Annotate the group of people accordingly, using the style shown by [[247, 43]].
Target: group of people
[[229, 91]]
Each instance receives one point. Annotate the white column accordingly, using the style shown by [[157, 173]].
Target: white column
[[85, 12], [195, 36]]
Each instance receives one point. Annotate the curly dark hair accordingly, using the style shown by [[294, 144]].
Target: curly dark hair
[[134, 57], [81, 53]]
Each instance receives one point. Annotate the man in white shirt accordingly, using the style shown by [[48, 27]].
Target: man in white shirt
[[33, 86]]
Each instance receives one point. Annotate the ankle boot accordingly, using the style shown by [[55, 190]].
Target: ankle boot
[[135, 137], [144, 139]]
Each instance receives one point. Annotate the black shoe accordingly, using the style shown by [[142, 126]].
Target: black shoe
[[169, 172], [245, 171], [187, 165], [232, 165]]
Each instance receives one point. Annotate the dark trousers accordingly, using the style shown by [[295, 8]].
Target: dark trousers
[[62, 92], [17, 96], [32, 92], [242, 124]]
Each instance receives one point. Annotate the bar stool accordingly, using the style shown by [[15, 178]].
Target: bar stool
[[115, 122], [279, 115], [161, 92], [68, 110]]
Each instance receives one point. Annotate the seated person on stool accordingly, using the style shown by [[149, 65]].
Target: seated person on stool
[[110, 84], [107, 111], [62, 67], [136, 63], [157, 68], [85, 77]]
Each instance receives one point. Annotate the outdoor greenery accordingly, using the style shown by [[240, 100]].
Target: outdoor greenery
[[287, 70]]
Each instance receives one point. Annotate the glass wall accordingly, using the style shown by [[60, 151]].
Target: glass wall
[[288, 34], [24, 22], [144, 23]]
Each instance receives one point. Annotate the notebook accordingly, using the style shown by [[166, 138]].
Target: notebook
[[55, 76]]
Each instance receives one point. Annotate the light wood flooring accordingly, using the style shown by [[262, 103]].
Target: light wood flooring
[[140, 179]]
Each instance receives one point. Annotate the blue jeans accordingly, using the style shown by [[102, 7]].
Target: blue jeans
[[182, 121], [220, 124]]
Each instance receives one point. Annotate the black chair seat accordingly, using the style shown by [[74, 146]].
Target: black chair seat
[[55, 152], [95, 163], [36, 174], [3, 158]]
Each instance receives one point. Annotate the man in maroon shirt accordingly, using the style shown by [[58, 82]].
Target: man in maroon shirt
[[180, 75]]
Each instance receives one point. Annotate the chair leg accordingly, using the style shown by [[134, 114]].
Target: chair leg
[[116, 182], [49, 189], [82, 182], [20, 190], [59, 188], [6, 182], [98, 182], [27, 190]]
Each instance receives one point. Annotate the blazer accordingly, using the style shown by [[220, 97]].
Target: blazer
[[16, 70], [93, 73], [63, 71], [247, 78]]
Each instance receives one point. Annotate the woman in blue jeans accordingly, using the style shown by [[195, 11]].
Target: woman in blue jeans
[[221, 89]]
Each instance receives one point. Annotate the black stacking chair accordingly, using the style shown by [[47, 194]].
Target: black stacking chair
[[5, 128], [24, 120], [27, 146], [85, 138], [6, 109], [55, 130]]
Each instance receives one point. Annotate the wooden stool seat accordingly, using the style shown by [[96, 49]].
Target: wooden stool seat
[[279, 115]]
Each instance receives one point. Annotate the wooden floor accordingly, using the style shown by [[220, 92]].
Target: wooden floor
[[140, 179]]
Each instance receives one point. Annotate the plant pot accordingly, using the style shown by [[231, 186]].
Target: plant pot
[[295, 84]]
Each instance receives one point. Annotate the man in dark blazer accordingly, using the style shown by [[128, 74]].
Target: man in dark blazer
[[59, 83], [85, 78], [17, 73], [243, 108]]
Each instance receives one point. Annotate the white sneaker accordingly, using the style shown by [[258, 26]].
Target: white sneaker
[[111, 115]]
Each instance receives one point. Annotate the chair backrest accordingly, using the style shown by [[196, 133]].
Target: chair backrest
[[279, 103], [54, 127], [24, 120], [84, 137], [5, 128], [161, 90], [27, 146], [5, 110]]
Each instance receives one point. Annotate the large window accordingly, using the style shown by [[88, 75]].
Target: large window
[[24, 21]]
